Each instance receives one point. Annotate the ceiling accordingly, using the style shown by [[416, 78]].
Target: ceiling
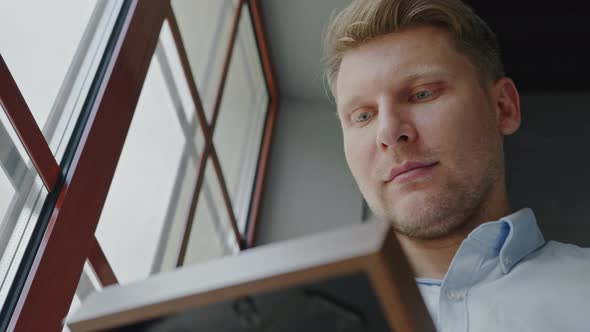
[[545, 48]]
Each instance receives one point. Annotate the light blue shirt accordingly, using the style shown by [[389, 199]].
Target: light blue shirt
[[505, 277]]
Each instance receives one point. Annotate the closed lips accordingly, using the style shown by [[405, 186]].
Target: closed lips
[[406, 167]]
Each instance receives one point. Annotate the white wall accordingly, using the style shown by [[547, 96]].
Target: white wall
[[308, 187]]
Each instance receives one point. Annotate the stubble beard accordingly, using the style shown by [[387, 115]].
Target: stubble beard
[[443, 212]]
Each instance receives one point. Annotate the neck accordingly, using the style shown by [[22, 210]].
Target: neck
[[431, 258]]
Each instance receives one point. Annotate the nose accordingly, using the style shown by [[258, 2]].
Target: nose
[[395, 128]]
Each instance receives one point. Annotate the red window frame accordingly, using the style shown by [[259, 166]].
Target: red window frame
[[68, 238], [21, 118]]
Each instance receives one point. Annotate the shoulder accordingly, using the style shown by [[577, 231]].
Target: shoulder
[[557, 261], [553, 271], [554, 249]]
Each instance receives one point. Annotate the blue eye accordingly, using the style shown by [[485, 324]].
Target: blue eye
[[365, 116], [422, 95]]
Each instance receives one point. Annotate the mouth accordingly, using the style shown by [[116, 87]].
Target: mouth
[[409, 171]]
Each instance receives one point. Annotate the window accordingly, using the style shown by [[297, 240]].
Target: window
[[150, 195], [131, 143], [52, 61], [211, 234], [240, 125], [21, 196], [206, 27], [53, 49]]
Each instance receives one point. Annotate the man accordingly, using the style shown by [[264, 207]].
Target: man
[[424, 106]]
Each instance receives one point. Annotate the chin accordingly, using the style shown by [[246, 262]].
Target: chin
[[414, 208], [421, 214]]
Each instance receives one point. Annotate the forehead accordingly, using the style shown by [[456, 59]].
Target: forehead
[[394, 59]]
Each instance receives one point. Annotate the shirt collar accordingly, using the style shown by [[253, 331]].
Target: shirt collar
[[512, 237]]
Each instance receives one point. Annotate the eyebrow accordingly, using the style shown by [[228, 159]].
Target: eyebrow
[[422, 71]]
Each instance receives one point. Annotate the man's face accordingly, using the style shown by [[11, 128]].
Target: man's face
[[420, 131]]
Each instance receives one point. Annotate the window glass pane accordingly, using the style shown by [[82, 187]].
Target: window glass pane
[[211, 234], [6, 193], [240, 126], [21, 197], [205, 27], [53, 49], [140, 229]]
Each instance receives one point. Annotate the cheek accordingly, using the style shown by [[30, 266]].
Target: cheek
[[457, 123], [464, 133], [359, 151], [475, 127]]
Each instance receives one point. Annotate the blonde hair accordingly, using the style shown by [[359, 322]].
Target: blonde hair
[[364, 20]]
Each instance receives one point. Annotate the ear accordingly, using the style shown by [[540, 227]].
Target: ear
[[506, 105]]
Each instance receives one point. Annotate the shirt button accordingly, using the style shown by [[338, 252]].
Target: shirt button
[[455, 294]]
